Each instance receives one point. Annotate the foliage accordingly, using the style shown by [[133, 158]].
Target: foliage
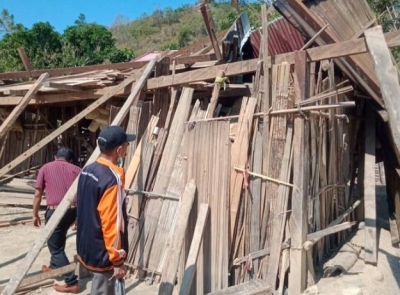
[[387, 14], [176, 28], [81, 44]]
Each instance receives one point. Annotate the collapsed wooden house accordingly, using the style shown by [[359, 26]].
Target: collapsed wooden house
[[256, 152]]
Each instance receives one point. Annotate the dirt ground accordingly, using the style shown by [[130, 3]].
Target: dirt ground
[[17, 240]]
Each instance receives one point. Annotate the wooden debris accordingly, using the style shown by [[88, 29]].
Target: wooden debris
[[256, 287]]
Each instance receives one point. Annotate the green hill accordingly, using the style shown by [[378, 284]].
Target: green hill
[[176, 28]]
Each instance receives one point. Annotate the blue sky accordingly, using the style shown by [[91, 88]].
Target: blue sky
[[63, 13]]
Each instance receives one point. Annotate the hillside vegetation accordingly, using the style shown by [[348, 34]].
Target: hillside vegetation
[[176, 28]]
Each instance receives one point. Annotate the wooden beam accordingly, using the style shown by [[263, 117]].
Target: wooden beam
[[175, 241], [210, 26], [298, 220], [388, 80], [215, 95], [331, 51], [194, 58], [63, 86], [65, 203], [371, 238], [7, 123], [25, 60], [45, 276], [73, 70], [190, 268]]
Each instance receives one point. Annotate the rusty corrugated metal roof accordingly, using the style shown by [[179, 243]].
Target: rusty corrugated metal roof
[[282, 38]]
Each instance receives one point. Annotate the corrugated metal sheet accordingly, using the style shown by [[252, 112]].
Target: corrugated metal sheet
[[282, 38]]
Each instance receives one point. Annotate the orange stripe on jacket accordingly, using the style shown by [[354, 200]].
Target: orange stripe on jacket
[[108, 211]]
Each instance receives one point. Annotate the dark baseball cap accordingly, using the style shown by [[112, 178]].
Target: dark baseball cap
[[112, 137]]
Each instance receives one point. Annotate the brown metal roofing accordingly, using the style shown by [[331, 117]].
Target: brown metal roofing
[[282, 38]]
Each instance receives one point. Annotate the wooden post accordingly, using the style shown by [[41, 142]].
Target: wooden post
[[387, 76], [176, 240], [371, 253], [25, 60], [6, 125], [210, 26], [298, 221], [190, 268], [69, 196], [215, 95]]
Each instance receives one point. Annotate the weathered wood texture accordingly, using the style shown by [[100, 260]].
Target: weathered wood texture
[[298, 221], [208, 162], [386, 73], [191, 262], [175, 242], [256, 287]]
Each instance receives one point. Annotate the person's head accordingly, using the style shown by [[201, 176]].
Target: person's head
[[65, 153], [113, 142]]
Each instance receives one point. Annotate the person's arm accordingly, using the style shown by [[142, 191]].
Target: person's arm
[[37, 198]]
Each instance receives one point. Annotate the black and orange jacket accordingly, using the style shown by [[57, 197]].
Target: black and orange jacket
[[102, 238]]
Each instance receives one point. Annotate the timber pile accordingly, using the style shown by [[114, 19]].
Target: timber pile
[[240, 187]]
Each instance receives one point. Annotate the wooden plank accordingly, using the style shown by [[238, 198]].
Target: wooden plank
[[25, 60], [190, 268], [195, 58], [210, 26], [65, 203], [325, 52], [281, 206], [329, 230], [176, 241], [255, 287], [61, 86], [371, 238], [387, 76], [13, 116], [255, 193], [298, 221], [76, 119], [239, 157], [215, 95], [45, 276]]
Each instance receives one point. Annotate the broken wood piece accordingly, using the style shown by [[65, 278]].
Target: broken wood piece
[[13, 116], [60, 86], [219, 82], [257, 254], [69, 196], [175, 241], [254, 287], [343, 261], [44, 276], [311, 41], [25, 60], [314, 237], [190, 268], [210, 26]]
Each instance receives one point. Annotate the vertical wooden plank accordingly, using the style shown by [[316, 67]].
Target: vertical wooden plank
[[25, 60], [215, 95], [298, 222], [255, 197], [371, 253], [210, 26], [190, 268], [176, 241]]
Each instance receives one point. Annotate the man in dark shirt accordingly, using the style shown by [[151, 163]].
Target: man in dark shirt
[[102, 241], [55, 178]]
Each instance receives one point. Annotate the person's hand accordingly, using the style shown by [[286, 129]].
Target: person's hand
[[36, 221], [119, 271], [74, 226]]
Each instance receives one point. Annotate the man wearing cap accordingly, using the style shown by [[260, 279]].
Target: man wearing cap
[[55, 178], [102, 241]]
